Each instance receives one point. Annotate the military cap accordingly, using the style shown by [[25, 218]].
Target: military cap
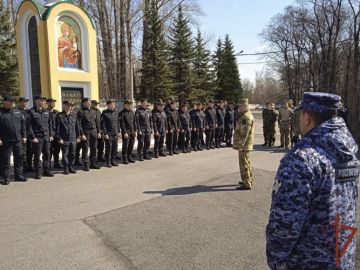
[[68, 103], [86, 99], [127, 102], [110, 101], [244, 101], [159, 100], [23, 99], [9, 99], [159, 103], [39, 97], [320, 102], [51, 100], [95, 102]]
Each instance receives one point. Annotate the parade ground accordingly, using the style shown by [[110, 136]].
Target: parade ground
[[180, 212]]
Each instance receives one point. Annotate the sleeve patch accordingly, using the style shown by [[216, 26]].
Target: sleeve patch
[[346, 172]]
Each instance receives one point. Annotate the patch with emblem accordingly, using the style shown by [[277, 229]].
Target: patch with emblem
[[347, 172]]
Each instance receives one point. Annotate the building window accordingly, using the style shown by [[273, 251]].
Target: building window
[[34, 57]]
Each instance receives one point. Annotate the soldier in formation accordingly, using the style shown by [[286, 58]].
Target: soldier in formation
[[128, 128], [270, 117], [285, 116]]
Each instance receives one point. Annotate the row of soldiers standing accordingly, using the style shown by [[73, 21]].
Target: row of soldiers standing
[[288, 122], [30, 133]]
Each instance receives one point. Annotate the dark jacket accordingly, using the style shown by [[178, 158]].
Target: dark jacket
[[53, 115], [127, 122], [185, 120], [39, 124], [160, 122], [109, 123], [220, 116], [144, 120], [67, 126], [12, 125], [173, 120], [88, 120], [229, 118], [198, 119], [211, 118]]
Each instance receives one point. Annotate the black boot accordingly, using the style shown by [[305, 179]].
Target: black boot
[[48, 173], [86, 167], [20, 178], [125, 160], [184, 151], [66, 170], [108, 164], [162, 154], [113, 163], [141, 157], [130, 159], [78, 162], [37, 174], [146, 157], [72, 170], [94, 166], [156, 154], [6, 181]]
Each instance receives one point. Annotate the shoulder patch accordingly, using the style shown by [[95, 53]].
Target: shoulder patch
[[347, 172]]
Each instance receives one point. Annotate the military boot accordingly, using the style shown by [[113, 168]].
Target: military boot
[[156, 154], [125, 160], [94, 166], [141, 157], [130, 159], [86, 167]]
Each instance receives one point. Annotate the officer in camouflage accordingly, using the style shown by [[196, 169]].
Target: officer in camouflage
[[243, 142], [315, 193], [285, 115]]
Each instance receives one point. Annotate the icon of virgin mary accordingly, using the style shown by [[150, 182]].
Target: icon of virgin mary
[[68, 51]]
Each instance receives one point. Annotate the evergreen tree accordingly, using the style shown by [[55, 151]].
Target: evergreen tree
[[181, 57], [8, 56], [203, 76], [155, 81], [228, 77], [217, 60]]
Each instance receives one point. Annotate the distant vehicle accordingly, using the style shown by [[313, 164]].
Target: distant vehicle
[[259, 107]]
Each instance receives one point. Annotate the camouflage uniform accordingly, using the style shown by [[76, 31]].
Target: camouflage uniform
[[295, 128], [285, 116], [273, 116], [315, 187], [243, 142]]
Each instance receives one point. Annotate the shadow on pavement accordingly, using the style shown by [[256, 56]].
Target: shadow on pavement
[[193, 190], [275, 149]]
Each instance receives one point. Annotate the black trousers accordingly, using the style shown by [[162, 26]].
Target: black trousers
[[111, 147], [228, 134], [29, 154], [171, 141], [5, 153], [128, 146], [42, 147], [210, 133], [197, 137], [77, 152], [143, 143], [100, 147], [219, 134], [91, 142], [55, 151], [159, 143], [68, 153], [184, 139]]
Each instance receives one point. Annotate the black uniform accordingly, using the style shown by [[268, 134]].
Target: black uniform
[[145, 126], [185, 131], [219, 131], [110, 126], [39, 126], [90, 128], [229, 126], [68, 130], [54, 145], [160, 129], [101, 142], [12, 131], [174, 126], [198, 123], [27, 154], [128, 127], [211, 123]]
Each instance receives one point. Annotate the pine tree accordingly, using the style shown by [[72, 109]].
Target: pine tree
[[217, 61], [8, 56], [181, 57], [203, 81], [228, 77], [155, 81]]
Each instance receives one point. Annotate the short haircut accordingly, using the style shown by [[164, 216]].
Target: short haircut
[[320, 118], [172, 102], [143, 100]]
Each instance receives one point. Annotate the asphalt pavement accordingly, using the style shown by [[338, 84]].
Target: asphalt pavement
[[180, 212]]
